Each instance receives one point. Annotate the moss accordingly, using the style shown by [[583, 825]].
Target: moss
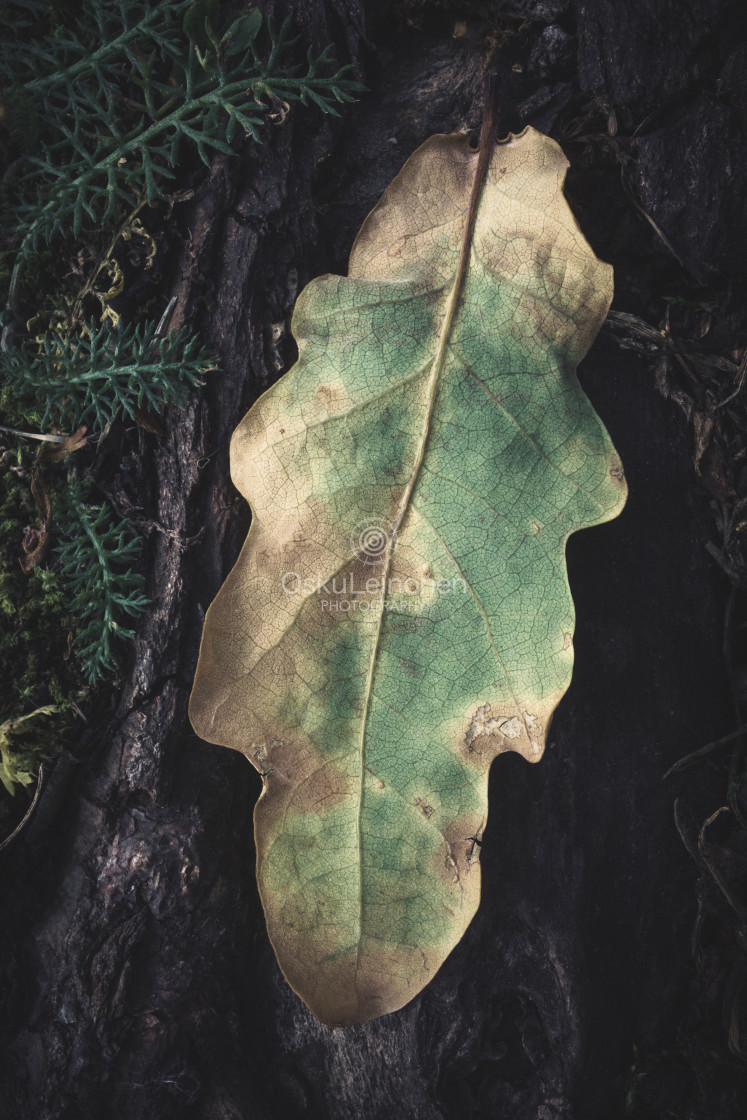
[[36, 627]]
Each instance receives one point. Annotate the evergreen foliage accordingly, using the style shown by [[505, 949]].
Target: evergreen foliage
[[101, 101], [102, 127], [89, 378], [97, 566]]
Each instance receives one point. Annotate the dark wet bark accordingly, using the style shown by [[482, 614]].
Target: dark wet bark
[[137, 977]]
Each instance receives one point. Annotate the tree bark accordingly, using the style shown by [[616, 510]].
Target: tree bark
[[137, 976]]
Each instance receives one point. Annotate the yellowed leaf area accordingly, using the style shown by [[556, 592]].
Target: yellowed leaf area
[[400, 612]]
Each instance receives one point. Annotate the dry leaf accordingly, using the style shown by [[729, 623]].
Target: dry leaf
[[400, 612]]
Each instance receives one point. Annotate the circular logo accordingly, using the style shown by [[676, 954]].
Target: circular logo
[[370, 539]]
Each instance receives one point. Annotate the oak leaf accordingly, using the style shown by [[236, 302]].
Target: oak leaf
[[400, 612]]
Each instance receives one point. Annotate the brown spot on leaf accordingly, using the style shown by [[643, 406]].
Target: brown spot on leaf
[[334, 397], [456, 865], [299, 779], [512, 726]]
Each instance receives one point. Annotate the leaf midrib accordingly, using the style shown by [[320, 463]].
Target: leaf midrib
[[483, 160]]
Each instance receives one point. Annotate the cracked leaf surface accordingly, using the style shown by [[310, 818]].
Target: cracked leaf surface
[[400, 612]]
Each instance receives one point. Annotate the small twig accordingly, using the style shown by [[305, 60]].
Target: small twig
[[701, 752], [737, 907], [39, 544], [9, 330], [741, 373], [165, 317], [633, 325], [707, 824], [701, 858], [732, 994], [683, 835], [633, 333], [630, 192], [29, 811], [738, 755], [667, 334], [34, 435], [723, 564]]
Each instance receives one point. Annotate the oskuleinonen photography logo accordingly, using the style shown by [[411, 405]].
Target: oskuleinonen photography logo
[[371, 538], [347, 591]]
